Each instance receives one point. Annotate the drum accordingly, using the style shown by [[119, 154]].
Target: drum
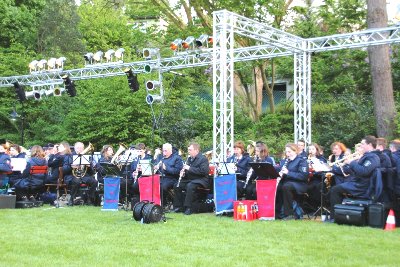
[[138, 210]]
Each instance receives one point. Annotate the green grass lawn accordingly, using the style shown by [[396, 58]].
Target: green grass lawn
[[87, 236]]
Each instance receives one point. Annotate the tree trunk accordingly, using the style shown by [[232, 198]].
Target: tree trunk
[[381, 73]]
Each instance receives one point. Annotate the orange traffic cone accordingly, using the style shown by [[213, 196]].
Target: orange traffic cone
[[390, 221]]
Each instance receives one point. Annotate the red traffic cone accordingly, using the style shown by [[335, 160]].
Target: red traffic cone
[[390, 221]]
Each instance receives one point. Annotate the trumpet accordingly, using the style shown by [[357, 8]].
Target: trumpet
[[340, 162]]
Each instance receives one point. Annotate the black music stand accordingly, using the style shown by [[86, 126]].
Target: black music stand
[[264, 169], [125, 168], [110, 169]]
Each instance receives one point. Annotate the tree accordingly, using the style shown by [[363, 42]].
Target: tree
[[379, 59]]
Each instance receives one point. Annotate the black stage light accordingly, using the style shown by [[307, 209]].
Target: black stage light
[[69, 85], [19, 90], [132, 80]]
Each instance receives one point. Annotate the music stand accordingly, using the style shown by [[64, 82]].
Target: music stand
[[226, 168], [264, 169], [110, 169]]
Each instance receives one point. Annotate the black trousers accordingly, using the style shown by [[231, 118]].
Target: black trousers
[[185, 194], [166, 185], [133, 188], [90, 181], [336, 197]]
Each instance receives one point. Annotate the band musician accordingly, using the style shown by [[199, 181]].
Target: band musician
[[241, 159], [358, 174], [169, 167], [194, 174], [75, 174]]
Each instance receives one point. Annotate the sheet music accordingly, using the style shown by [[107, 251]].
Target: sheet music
[[18, 164], [227, 168], [320, 166], [146, 167], [81, 160]]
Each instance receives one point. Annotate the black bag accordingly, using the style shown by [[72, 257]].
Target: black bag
[[357, 202], [24, 204], [377, 214], [351, 215]]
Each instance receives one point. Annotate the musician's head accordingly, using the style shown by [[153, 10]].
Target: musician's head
[[261, 150], [64, 148], [79, 147], [15, 150], [238, 148], [37, 152], [368, 143], [291, 150], [314, 150], [394, 145], [301, 144], [338, 148], [167, 150], [193, 149], [141, 149], [107, 151], [381, 143]]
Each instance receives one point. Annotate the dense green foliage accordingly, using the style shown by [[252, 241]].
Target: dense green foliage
[[86, 236], [105, 112]]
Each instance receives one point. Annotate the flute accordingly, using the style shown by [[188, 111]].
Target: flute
[[182, 173]]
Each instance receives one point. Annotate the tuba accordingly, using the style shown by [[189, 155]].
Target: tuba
[[122, 148], [81, 170]]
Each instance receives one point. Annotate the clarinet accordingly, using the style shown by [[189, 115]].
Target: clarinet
[[284, 165], [182, 173], [249, 174]]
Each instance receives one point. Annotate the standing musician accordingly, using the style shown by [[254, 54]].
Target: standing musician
[[261, 155], [316, 176], [242, 160], [136, 172], [338, 152], [32, 182], [194, 174], [169, 166], [15, 152], [359, 172], [76, 175], [5, 165], [294, 176]]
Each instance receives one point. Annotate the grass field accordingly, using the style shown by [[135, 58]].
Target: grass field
[[87, 236]]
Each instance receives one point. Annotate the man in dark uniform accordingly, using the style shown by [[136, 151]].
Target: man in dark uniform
[[394, 192], [301, 144], [194, 174], [169, 167], [359, 173]]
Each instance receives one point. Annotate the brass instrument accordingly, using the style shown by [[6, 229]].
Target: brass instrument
[[328, 180], [81, 170], [122, 148], [340, 162]]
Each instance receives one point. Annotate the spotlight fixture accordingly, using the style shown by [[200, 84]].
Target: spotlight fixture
[[151, 98], [51, 63], [60, 62], [14, 115], [98, 56], [148, 68], [119, 53], [33, 66], [148, 53], [176, 44], [69, 85], [151, 85], [19, 90], [132, 80], [37, 95], [109, 54], [58, 91], [30, 94], [203, 40], [88, 58], [42, 64], [188, 41]]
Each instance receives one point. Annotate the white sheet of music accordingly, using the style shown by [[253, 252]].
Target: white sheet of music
[[227, 168], [320, 166], [146, 167], [18, 164]]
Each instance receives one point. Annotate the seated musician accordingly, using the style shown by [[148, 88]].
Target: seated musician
[[294, 176], [315, 161], [54, 162], [358, 174], [242, 159], [136, 172], [15, 152], [261, 155], [107, 153], [32, 183], [194, 174], [5, 165], [75, 175], [338, 152], [394, 192], [301, 145], [386, 168], [169, 167]]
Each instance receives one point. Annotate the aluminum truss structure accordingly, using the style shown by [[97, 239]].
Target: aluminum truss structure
[[271, 43]]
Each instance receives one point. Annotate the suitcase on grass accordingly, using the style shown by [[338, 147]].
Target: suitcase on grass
[[377, 214], [350, 215], [24, 204]]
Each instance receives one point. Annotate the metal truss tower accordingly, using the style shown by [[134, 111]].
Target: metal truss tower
[[271, 43]]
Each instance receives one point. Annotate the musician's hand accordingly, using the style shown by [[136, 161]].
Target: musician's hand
[[74, 166], [186, 167], [284, 170]]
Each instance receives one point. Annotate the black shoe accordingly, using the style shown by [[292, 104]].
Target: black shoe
[[289, 218], [70, 202], [188, 211], [178, 210], [32, 198]]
